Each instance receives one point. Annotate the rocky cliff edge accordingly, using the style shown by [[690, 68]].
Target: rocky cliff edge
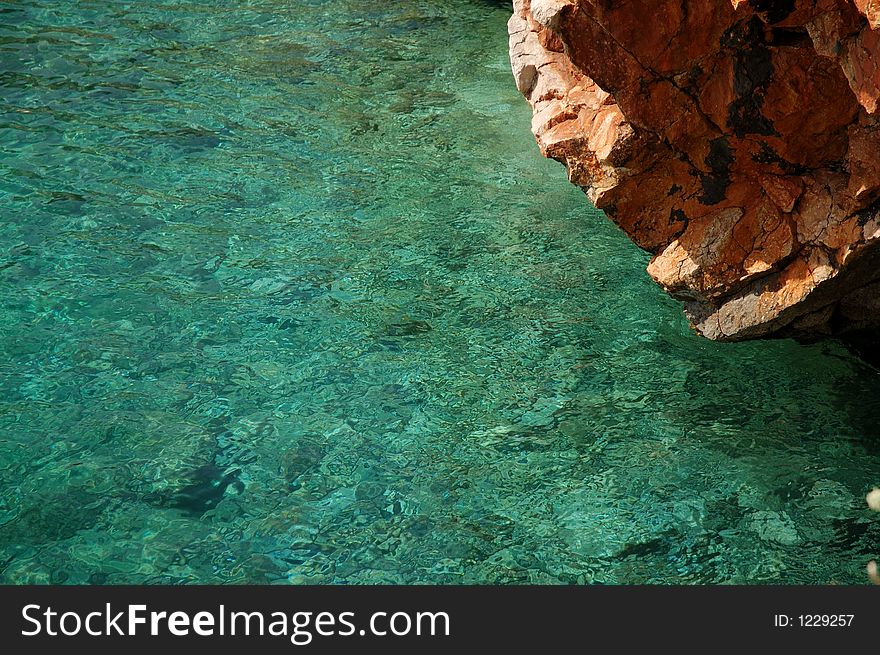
[[738, 141]]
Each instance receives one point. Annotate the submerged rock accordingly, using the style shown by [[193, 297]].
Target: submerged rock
[[738, 141]]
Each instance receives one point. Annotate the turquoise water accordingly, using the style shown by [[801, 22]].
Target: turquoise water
[[288, 295]]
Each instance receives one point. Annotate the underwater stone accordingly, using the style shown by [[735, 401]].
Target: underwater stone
[[736, 141]]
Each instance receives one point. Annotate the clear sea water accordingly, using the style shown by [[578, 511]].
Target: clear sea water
[[288, 295]]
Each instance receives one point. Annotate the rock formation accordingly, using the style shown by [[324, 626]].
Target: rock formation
[[736, 140]]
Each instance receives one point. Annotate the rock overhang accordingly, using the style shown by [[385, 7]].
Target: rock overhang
[[735, 140]]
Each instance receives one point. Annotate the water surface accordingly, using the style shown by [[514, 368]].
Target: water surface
[[288, 295]]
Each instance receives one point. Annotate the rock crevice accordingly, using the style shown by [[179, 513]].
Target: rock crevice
[[738, 141]]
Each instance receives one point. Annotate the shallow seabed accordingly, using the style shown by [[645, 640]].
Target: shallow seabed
[[289, 295]]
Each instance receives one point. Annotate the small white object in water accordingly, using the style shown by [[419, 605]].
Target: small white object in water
[[872, 572], [873, 499]]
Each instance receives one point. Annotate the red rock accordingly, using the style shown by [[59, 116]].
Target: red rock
[[736, 140]]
